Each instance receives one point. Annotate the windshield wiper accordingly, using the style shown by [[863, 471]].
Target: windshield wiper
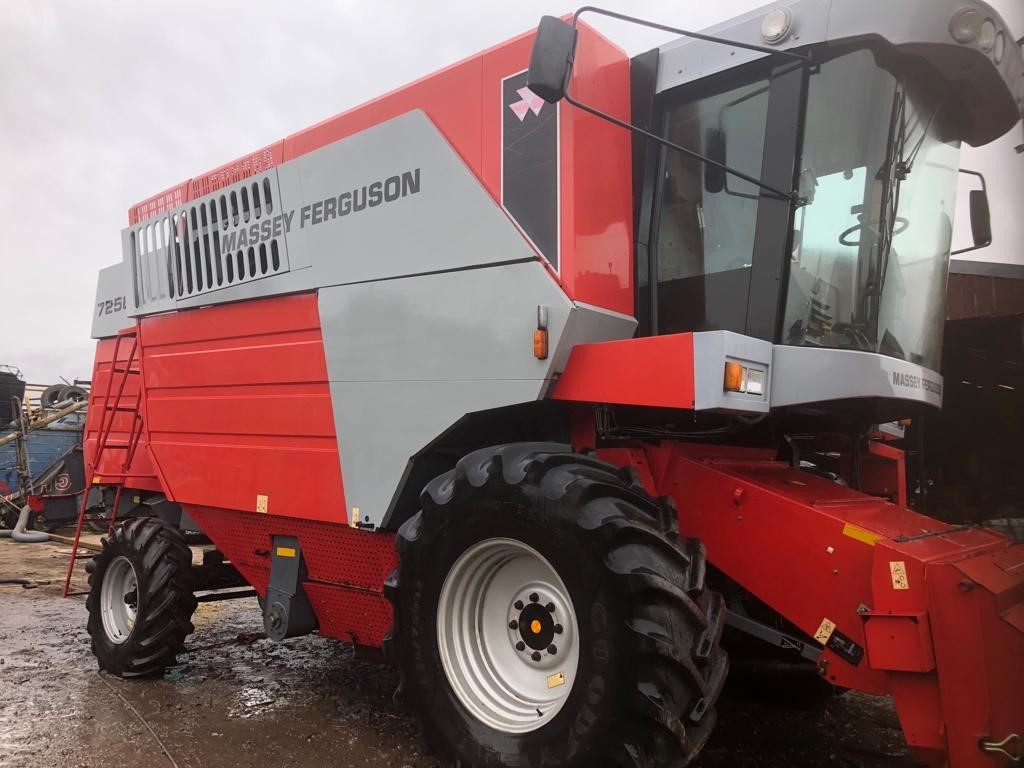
[[907, 165], [891, 174]]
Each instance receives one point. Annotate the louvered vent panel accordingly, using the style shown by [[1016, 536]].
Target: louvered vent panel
[[203, 246]]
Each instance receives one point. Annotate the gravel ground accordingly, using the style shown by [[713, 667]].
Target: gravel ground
[[237, 699]]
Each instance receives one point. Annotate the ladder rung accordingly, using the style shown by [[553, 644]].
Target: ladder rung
[[134, 371], [121, 408]]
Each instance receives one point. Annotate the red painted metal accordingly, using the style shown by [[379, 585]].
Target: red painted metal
[[464, 102], [653, 371], [347, 567], [238, 408], [936, 609], [883, 472]]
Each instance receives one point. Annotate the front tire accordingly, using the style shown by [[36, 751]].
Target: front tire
[[140, 598], [521, 540]]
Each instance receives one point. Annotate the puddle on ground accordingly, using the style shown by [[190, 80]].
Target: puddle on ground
[[236, 699]]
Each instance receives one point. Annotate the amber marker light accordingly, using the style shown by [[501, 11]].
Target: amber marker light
[[540, 336], [734, 377]]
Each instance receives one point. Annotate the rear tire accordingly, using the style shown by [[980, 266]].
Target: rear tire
[[648, 667], [140, 598]]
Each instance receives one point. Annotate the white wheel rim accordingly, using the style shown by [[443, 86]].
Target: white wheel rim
[[119, 599], [499, 604]]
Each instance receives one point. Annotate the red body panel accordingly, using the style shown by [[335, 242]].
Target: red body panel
[[347, 567], [464, 102], [238, 407], [654, 371], [937, 611]]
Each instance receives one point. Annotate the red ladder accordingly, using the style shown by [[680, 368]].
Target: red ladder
[[111, 403]]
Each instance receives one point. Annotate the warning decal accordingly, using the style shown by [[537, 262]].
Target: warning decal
[[825, 630], [898, 569]]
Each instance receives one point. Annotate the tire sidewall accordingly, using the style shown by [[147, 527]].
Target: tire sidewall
[[587, 715], [162, 562], [106, 649]]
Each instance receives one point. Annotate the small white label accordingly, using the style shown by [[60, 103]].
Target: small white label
[[262, 503], [355, 517]]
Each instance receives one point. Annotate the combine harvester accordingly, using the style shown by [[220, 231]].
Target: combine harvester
[[479, 373]]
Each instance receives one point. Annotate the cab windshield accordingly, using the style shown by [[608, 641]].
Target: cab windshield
[[871, 247]]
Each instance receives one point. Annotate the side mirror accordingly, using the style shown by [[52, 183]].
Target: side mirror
[[981, 215], [551, 59], [715, 147], [981, 218]]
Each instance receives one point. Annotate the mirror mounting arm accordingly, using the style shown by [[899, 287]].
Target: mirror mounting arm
[[793, 197], [551, 65], [802, 57]]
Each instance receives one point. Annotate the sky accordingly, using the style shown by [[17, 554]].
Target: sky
[[104, 103]]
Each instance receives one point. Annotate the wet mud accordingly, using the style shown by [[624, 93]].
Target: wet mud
[[238, 699]]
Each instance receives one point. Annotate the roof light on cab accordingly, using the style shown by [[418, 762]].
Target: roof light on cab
[[777, 25], [966, 26]]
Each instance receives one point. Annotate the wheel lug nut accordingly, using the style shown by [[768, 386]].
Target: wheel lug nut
[[536, 656], [534, 597], [519, 605], [552, 650], [520, 646], [550, 607], [513, 624], [558, 629]]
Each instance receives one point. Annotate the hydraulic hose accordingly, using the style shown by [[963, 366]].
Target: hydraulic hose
[[20, 534]]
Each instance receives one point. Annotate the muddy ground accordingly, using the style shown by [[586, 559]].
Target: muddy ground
[[237, 699]]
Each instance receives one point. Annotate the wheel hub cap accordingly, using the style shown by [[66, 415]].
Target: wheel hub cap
[[507, 635], [119, 600]]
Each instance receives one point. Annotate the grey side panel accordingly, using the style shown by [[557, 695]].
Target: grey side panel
[[711, 351], [110, 311], [408, 358], [382, 424], [589, 324], [391, 201], [812, 375], [443, 218]]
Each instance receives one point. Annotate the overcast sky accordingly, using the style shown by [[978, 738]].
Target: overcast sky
[[105, 103]]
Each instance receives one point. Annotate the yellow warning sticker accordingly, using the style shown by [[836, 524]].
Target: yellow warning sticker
[[861, 534], [262, 502], [898, 569], [825, 630], [556, 680], [286, 552]]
